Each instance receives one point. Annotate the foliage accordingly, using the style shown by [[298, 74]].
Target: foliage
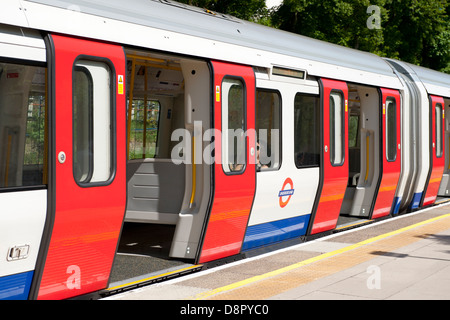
[[416, 31], [249, 10]]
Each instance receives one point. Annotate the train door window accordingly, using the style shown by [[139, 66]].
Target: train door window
[[92, 122], [306, 131], [439, 144], [22, 125], [391, 129], [337, 143], [268, 124], [233, 126]]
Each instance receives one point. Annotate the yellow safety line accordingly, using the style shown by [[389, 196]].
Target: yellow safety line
[[254, 279], [151, 278]]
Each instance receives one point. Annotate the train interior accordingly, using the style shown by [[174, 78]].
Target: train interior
[[169, 99], [363, 153]]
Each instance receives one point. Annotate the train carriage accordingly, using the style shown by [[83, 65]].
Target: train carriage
[[143, 133]]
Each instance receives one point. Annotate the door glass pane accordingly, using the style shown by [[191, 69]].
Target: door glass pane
[[233, 126], [336, 128], [391, 130], [439, 147], [92, 125]]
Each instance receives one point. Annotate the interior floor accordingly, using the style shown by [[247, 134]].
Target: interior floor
[[346, 220], [144, 251]]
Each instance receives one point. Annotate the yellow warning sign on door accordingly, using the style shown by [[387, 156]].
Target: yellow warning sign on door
[[120, 84]]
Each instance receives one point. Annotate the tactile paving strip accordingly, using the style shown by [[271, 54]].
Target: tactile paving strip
[[280, 280]]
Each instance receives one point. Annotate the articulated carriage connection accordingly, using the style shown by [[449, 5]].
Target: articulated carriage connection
[[152, 136]]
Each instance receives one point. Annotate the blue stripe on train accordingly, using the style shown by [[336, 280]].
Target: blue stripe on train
[[16, 286], [397, 202], [415, 201], [275, 231]]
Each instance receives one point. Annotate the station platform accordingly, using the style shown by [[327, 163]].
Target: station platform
[[401, 258]]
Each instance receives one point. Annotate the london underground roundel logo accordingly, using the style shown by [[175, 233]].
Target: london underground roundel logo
[[286, 191]]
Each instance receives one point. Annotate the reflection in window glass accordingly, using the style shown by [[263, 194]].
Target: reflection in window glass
[[92, 127], [268, 124], [233, 126], [306, 130], [22, 125]]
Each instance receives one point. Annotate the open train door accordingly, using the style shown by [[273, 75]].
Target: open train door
[[437, 158], [391, 155], [334, 170], [235, 157], [88, 180]]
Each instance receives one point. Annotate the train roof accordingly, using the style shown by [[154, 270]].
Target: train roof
[[181, 18], [126, 22]]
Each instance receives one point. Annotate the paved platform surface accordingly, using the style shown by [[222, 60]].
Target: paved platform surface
[[402, 258]]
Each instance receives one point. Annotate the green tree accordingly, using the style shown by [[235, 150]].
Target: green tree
[[416, 31], [250, 10]]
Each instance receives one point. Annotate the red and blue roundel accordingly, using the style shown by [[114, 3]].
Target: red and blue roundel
[[286, 192]]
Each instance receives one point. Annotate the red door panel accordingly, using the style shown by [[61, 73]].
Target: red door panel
[[391, 154], [437, 149], [334, 176], [88, 217], [233, 191]]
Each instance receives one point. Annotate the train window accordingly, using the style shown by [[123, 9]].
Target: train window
[[306, 131], [439, 116], [92, 124], [233, 126], [144, 128], [22, 125], [268, 123], [391, 129], [337, 143], [353, 130]]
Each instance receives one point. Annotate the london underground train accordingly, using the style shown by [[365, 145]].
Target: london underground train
[[194, 138]]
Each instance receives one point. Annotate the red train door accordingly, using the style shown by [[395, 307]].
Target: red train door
[[235, 156], [391, 155], [334, 170], [88, 183], [437, 159]]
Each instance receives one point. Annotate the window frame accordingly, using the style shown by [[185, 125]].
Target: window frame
[[280, 127], [332, 136], [44, 65], [155, 156], [112, 121], [317, 128], [438, 109], [394, 131], [224, 155]]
